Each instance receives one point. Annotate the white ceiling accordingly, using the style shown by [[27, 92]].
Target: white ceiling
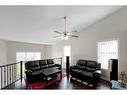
[[35, 24]]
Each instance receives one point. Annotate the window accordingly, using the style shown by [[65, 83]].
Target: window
[[107, 50], [67, 52], [26, 56]]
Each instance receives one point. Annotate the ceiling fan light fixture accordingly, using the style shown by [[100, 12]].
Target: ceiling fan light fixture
[[64, 37]]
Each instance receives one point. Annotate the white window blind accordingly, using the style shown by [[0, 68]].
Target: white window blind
[[67, 51], [107, 50], [26, 56]]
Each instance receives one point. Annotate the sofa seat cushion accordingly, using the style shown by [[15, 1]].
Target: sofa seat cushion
[[91, 69], [81, 67], [34, 68], [86, 73], [44, 66], [51, 65], [76, 71], [36, 72]]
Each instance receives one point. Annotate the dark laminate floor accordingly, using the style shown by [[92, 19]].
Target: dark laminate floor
[[65, 83]]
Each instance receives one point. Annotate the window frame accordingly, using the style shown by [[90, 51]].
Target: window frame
[[25, 52], [105, 41]]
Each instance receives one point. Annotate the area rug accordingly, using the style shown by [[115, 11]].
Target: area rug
[[42, 84]]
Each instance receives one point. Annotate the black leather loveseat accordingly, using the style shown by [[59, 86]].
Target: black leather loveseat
[[86, 70], [33, 69]]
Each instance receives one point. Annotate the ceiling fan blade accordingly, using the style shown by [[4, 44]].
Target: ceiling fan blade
[[58, 32], [56, 36], [74, 36], [74, 31]]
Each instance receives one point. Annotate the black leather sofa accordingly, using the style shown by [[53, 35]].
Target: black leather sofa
[[86, 70], [33, 69]]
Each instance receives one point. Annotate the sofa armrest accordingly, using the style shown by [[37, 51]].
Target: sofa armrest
[[99, 66], [97, 73], [28, 72], [59, 66], [73, 67]]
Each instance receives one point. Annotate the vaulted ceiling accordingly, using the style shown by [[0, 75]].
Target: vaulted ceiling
[[35, 24]]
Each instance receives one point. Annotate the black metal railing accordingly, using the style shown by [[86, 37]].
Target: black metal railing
[[10, 73]]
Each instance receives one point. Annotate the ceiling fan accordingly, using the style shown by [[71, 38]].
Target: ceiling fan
[[65, 35]]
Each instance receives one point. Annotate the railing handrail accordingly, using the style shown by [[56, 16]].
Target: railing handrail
[[57, 58], [9, 64], [26, 61], [42, 59]]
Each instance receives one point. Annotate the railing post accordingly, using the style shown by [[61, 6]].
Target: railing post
[[61, 62], [1, 78], [4, 76], [7, 75], [21, 62], [10, 73], [67, 65], [15, 77]]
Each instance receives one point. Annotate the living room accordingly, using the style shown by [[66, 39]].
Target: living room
[[27, 34]]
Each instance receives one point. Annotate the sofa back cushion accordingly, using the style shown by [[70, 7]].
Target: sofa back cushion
[[81, 64], [91, 65], [43, 64], [32, 65], [50, 62]]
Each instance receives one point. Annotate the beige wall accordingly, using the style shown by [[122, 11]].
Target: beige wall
[[58, 51], [8, 50], [14, 47], [3, 52], [111, 27]]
